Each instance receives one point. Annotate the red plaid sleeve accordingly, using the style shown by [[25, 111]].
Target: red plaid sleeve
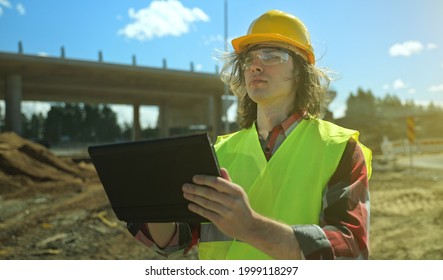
[[185, 237]]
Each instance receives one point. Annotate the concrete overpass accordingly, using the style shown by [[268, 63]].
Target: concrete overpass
[[184, 98]]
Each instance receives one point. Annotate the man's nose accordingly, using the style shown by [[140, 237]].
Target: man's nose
[[256, 64]]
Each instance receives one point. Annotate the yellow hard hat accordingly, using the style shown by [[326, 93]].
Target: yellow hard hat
[[280, 27]]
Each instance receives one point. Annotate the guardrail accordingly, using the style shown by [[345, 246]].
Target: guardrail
[[390, 149]]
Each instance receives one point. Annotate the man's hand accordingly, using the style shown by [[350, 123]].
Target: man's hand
[[222, 202], [226, 205]]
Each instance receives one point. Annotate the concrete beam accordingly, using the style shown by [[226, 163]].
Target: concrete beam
[[66, 91], [184, 98]]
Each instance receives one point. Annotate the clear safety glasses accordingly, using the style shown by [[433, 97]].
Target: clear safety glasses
[[267, 56]]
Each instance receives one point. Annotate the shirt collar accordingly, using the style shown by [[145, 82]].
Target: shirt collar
[[288, 125]]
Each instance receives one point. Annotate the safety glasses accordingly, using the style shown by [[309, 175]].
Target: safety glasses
[[267, 57]]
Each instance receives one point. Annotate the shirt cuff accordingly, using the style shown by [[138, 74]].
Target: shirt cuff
[[313, 242], [178, 245]]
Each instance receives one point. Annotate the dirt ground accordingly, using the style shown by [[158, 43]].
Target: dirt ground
[[54, 208]]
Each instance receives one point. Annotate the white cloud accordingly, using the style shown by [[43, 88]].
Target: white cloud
[[409, 48], [21, 9], [5, 3], [431, 46], [162, 18], [406, 48], [399, 84], [436, 88]]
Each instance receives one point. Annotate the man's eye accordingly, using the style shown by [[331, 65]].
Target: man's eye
[[248, 59], [270, 57]]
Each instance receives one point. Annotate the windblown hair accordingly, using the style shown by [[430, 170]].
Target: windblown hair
[[310, 98]]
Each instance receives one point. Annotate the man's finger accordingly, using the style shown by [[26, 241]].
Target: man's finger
[[205, 192], [204, 203], [224, 173], [217, 183]]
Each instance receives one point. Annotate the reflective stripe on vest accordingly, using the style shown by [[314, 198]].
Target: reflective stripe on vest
[[287, 188]]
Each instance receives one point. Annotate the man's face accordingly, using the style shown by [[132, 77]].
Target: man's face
[[269, 75]]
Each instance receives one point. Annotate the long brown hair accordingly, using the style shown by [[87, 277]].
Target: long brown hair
[[310, 98]]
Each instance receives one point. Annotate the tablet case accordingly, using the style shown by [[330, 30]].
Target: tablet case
[[143, 179]]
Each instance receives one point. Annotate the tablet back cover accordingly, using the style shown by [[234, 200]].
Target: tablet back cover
[[143, 180]]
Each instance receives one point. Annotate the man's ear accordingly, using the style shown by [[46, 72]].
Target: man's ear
[[297, 74]]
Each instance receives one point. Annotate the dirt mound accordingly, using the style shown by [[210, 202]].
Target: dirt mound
[[55, 208], [25, 164]]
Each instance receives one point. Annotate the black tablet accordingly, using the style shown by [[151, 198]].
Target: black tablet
[[143, 179]]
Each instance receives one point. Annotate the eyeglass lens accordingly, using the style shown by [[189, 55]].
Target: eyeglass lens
[[267, 56]]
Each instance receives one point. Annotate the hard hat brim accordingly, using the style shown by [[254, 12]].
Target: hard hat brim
[[243, 42]]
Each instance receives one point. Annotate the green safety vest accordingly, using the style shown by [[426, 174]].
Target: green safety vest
[[287, 188]]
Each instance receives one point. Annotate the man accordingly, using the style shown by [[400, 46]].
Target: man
[[292, 186]]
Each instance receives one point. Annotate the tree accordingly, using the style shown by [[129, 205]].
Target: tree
[[34, 128], [363, 104], [73, 121], [109, 129], [379, 117], [371, 116], [82, 123], [54, 124]]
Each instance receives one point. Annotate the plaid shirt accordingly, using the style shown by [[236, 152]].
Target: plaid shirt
[[343, 230]]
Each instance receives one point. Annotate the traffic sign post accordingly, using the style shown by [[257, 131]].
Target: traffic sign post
[[410, 123]]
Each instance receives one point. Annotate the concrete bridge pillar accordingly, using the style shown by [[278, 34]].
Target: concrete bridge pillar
[[214, 114], [136, 128], [13, 98], [163, 119]]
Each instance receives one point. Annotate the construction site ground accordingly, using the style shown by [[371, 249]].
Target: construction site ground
[[54, 208]]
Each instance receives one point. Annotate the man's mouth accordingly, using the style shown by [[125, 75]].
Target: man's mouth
[[256, 82]]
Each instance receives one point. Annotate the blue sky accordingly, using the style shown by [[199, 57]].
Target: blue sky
[[393, 46]]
